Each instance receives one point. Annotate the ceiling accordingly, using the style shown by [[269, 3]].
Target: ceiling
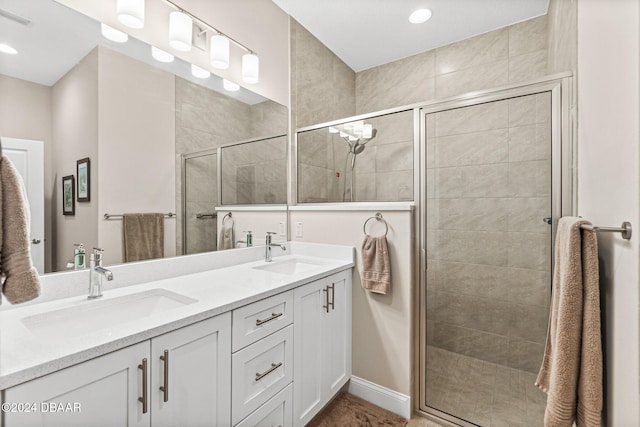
[[368, 33]]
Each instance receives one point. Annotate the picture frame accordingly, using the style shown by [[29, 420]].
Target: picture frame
[[83, 171], [68, 195]]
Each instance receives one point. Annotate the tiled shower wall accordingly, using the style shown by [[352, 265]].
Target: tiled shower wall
[[488, 249], [208, 119]]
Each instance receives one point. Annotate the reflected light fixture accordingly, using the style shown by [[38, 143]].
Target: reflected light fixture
[[131, 13], [230, 86], [198, 72], [219, 51], [113, 34], [367, 130], [180, 34], [419, 16], [5, 48], [250, 68], [161, 55]]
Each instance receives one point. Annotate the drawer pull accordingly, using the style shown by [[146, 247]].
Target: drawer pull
[[165, 387], [274, 316], [144, 399], [273, 367]]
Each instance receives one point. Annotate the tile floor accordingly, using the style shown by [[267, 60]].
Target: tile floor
[[481, 392]]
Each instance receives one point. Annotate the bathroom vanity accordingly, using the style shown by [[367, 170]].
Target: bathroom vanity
[[257, 343]]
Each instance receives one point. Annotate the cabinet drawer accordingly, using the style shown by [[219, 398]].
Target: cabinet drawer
[[259, 371], [255, 321], [277, 412]]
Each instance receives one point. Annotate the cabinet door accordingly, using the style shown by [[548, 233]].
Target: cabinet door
[[194, 364], [336, 332], [101, 392], [308, 315]]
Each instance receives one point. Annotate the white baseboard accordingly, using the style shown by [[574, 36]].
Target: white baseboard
[[383, 397]]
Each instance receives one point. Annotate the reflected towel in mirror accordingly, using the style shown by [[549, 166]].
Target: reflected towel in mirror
[[142, 236], [227, 240]]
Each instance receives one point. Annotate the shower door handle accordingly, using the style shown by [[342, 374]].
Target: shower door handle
[[548, 220]]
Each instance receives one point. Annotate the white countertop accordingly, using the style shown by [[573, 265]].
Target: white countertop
[[25, 355]]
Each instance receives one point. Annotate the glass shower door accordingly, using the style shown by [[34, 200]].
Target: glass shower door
[[488, 255], [200, 188]]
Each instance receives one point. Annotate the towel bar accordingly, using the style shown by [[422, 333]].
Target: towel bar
[[120, 216], [206, 216], [624, 229]]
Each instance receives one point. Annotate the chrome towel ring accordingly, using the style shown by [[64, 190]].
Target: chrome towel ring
[[377, 217], [228, 215]]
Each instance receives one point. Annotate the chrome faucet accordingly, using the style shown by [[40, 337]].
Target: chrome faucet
[[96, 272], [268, 245]]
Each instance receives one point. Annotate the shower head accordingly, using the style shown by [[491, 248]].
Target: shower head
[[374, 132]]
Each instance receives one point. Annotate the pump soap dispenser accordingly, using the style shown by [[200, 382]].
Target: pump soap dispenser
[[79, 257]]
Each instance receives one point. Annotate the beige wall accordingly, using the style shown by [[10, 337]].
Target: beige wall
[[608, 182], [25, 112], [381, 323], [136, 147], [75, 135], [562, 33]]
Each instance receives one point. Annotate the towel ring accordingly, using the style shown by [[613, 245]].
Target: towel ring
[[228, 215], [377, 217]]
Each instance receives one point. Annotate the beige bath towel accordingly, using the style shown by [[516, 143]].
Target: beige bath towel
[[143, 236], [21, 281], [226, 240], [571, 371], [376, 267]]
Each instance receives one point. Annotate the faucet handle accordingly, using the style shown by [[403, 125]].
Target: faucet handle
[[271, 232]]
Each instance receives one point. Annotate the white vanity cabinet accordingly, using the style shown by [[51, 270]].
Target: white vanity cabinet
[[109, 390], [322, 343]]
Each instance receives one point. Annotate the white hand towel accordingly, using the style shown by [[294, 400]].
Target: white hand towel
[[226, 240]]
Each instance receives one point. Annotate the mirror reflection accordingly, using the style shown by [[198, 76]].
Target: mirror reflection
[[134, 118]]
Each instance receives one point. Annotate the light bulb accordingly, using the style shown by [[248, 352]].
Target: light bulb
[[230, 86], [131, 13], [113, 34], [161, 55], [198, 72], [250, 68], [180, 34], [220, 51]]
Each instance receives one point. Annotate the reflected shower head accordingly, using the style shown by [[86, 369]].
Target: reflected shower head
[[357, 146]]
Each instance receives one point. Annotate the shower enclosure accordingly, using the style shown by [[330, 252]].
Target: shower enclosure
[[492, 186]]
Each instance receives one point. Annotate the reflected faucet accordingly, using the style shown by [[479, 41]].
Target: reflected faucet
[[268, 245], [96, 272]]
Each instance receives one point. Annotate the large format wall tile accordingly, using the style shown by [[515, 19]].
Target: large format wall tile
[[473, 181], [491, 146], [483, 49], [482, 117], [480, 77]]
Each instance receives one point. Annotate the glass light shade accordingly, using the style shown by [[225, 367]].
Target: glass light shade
[[352, 138], [357, 128], [180, 34], [220, 51], [367, 130], [343, 134], [250, 68], [230, 86], [5, 48], [333, 130], [131, 13], [113, 34], [161, 55], [198, 72]]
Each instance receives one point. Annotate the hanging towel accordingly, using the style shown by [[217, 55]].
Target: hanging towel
[[376, 268], [571, 371], [21, 281], [226, 240], [142, 236]]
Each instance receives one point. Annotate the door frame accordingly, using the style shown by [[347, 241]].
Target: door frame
[[563, 196]]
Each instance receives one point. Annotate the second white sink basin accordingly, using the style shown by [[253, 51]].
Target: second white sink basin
[[288, 267], [91, 316]]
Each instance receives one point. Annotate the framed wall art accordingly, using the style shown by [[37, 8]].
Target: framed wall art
[[68, 195], [84, 180]]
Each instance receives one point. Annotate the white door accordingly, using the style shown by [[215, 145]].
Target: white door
[[192, 365], [28, 158]]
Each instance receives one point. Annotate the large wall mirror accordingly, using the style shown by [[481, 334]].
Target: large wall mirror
[[139, 121]]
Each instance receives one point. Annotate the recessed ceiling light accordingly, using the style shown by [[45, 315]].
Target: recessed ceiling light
[[5, 48], [113, 34], [419, 16]]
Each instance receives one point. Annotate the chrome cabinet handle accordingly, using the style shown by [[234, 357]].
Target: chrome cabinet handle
[[273, 367], [144, 398], [35, 241], [333, 296], [326, 299], [165, 387], [273, 317]]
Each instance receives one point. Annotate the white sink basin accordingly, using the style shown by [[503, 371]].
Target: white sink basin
[[94, 315], [287, 267]]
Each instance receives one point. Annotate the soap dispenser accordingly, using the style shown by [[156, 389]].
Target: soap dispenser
[[249, 238], [79, 257]]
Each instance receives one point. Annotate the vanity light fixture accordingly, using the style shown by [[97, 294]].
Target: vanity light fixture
[[5, 48], [113, 34], [180, 34], [219, 51], [131, 13], [230, 86], [161, 55], [250, 68], [198, 72], [333, 130], [354, 131], [367, 130], [419, 16]]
